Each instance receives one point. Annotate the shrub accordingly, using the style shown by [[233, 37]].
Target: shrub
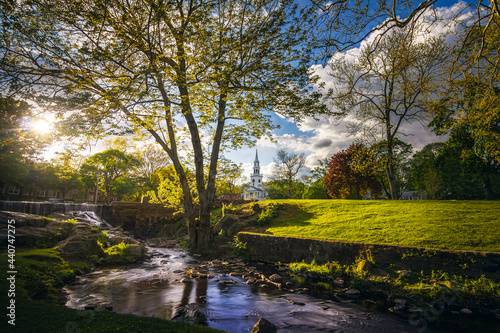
[[267, 215], [239, 248]]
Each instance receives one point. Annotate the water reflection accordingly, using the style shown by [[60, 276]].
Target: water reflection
[[156, 288]]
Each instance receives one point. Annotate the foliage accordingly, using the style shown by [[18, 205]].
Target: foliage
[[401, 157], [203, 78], [109, 168], [228, 175], [471, 101], [330, 269], [315, 189], [267, 215], [103, 239], [42, 273], [287, 167], [351, 173], [280, 189], [456, 225], [419, 287], [452, 170], [239, 248], [339, 26], [388, 84], [19, 144]]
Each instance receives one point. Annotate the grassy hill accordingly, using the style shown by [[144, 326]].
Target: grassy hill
[[457, 225]]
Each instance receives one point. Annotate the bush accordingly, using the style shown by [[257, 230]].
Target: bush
[[239, 248], [269, 213]]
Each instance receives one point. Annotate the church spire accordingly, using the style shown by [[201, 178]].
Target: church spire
[[256, 156]]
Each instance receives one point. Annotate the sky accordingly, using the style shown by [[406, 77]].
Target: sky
[[325, 137], [316, 139]]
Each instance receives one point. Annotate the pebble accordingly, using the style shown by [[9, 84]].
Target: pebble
[[466, 311]]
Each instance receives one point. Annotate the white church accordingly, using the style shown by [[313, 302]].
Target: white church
[[256, 191]]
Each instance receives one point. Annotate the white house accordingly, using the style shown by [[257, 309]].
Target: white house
[[256, 191]]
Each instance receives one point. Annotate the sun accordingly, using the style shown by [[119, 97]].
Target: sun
[[41, 126]]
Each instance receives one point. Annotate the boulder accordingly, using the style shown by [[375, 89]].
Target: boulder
[[80, 247], [276, 278], [224, 225], [264, 326]]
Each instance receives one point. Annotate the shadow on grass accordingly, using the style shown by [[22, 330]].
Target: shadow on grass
[[292, 216]]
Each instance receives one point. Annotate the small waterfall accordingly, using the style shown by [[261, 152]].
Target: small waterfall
[[46, 208], [90, 217]]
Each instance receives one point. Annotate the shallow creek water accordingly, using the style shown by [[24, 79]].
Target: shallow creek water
[[223, 301]]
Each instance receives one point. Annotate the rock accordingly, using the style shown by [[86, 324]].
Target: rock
[[295, 302], [225, 224], [404, 273], [466, 311], [136, 251], [339, 282], [400, 305], [276, 278], [234, 229], [352, 293], [264, 326], [80, 247], [251, 281]]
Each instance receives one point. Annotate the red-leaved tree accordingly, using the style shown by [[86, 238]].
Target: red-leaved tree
[[351, 173]]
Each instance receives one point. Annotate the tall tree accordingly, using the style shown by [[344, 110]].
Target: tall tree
[[286, 169], [472, 100], [388, 84], [201, 71], [352, 172], [401, 155], [106, 168]]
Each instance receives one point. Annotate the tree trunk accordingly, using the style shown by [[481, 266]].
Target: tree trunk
[[391, 178]]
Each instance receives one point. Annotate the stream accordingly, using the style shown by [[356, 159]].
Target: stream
[[220, 298]]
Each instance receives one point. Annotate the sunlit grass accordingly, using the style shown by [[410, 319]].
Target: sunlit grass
[[457, 225]]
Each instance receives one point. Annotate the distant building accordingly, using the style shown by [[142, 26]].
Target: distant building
[[256, 191], [414, 195], [228, 197]]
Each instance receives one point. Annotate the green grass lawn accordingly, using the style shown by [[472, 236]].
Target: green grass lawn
[[456, 225]]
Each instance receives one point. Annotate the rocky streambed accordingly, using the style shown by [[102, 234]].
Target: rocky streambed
[[230, 295]]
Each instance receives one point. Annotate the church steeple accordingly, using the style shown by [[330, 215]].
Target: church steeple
[[256, 164], [256, 190]]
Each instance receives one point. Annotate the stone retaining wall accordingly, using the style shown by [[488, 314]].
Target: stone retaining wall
[[292, 249], [144, 219]]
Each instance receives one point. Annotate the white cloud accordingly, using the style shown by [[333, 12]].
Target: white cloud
[[327, 136]]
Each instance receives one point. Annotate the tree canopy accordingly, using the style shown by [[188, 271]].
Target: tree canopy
[[352, 172], [192, 74], [390, 83]]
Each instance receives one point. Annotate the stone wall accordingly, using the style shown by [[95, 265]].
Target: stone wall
[[143, 219], [291, 249]]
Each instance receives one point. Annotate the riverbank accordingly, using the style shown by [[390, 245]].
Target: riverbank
[[39, 300]]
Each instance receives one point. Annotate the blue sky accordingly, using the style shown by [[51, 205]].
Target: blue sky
[[322, 139]]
